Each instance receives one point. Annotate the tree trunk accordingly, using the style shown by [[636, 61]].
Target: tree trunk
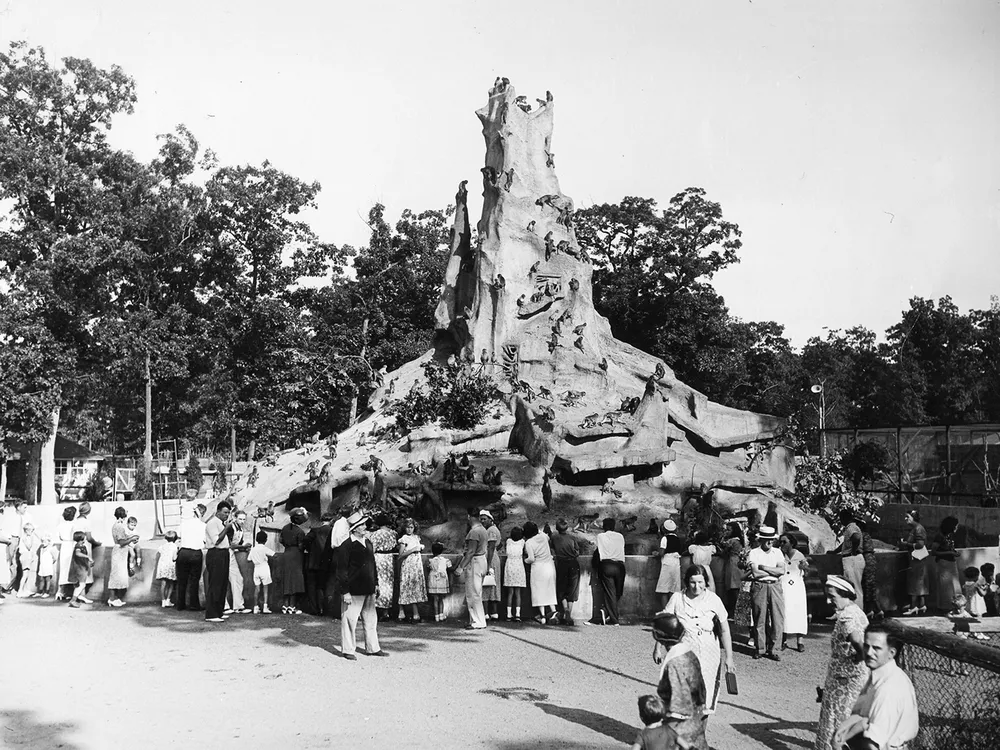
[[47, 456], [3, 482], [251, 450], [31, 472], [232, 445], [147, 455], [364, 350]]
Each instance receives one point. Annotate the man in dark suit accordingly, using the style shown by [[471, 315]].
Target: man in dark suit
[[319, 556], [358, 580]]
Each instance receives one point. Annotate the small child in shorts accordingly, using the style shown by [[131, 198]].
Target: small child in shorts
[[134, 556], [656, 735], [261, 571]]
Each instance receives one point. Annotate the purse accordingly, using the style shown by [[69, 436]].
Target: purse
[[731, 686], [489, 580]]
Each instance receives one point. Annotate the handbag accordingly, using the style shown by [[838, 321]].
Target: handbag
[[489, 580], [731, 686]]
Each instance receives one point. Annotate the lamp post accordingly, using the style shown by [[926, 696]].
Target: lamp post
[[821, 391]]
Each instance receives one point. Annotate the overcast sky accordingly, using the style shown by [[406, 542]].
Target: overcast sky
[[855, 143]]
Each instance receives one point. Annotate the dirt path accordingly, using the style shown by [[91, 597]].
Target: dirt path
[[91, 678]]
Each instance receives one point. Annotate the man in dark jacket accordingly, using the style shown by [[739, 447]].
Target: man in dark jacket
[[358, 580], [319, 556], [566, 548]]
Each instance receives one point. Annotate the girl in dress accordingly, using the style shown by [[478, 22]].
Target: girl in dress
[[794, 589], [46, 566], [974, 591], [27, 554], [514, 574], [79, 568], [438, 585], [166, 567], [411, 571]]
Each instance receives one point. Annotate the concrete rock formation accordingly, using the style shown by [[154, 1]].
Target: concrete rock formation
[[578, 405]]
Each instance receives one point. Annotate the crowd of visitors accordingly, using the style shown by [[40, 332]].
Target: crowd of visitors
[[368, 569]]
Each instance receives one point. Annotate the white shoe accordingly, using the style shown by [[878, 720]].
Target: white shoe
[[266, 611], [228, 611], [44, 596], [85, 600], [117, 603]]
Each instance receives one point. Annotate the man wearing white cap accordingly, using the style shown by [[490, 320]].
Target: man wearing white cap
[[358, 582], [473, 567], [767, 565]]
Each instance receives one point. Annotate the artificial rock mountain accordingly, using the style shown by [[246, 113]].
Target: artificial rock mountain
[[517, 301]]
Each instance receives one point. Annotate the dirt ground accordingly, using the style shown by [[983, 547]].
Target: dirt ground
[[96, 678]]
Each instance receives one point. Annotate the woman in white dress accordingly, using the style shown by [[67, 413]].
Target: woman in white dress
[[65, 532], [794, 588], [538, 555]]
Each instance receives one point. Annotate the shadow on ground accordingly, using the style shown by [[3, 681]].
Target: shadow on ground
[[776, 734], [20, 729]]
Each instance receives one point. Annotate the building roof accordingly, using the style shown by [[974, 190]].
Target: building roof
[[65, 450]]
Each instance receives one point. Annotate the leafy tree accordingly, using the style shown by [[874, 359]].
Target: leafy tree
[[60, 180], [143, 489]]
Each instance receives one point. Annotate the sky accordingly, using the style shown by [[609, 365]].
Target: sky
[[856, 144]]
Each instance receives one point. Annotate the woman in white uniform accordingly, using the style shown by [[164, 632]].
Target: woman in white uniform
[[794, 588]]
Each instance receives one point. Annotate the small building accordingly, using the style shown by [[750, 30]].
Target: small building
[[75, 464]]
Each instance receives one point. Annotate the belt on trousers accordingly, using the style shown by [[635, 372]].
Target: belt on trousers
[[765, 580]]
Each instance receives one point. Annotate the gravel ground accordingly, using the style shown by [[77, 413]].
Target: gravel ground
[[95, 678]]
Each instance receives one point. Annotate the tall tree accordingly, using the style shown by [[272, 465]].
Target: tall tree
[[58, 174]]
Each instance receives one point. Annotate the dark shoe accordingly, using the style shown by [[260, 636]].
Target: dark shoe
[[350, 657], [800, 648], [376, 653], [773, 656], [756, 655], [568, 622], [784, 646]]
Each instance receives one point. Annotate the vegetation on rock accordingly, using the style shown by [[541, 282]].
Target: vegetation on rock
[[453, 393]]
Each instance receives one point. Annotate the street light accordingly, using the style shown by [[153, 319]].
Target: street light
[[818, 389]]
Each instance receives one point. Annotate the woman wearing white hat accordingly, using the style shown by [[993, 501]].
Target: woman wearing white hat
[[847, 673], [669, 553]]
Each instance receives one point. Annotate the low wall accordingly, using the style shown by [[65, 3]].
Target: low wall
[[638, 602], [102, 517]]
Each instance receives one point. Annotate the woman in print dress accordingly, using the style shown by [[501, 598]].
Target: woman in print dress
[[412, 587], [384, 541]]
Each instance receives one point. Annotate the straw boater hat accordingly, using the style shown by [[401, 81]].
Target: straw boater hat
[[766, 532], [837, 582], [670, 525], [357, 518]]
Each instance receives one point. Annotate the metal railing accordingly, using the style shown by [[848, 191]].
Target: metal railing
[[957, 683]]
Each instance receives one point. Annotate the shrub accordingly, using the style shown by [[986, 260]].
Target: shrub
[[193, 474], [455, 394], [822, 487]]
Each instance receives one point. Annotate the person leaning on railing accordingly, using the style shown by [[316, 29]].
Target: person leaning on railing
[[885, 715]]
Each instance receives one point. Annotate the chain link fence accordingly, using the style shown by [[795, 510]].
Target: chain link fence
[[957, 683]]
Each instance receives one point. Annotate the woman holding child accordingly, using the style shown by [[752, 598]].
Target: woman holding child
[[121, 538]]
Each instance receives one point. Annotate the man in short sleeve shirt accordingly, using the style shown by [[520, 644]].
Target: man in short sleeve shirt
[[767, 565], [473, 567]]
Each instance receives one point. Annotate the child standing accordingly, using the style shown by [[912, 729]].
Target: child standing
[[989, 570], [46, 566], [973, 590], [27, 555], [166, 567], [79, 567], [261, 571], [438, 585], [656, 735], [134, 556], [514, 574]]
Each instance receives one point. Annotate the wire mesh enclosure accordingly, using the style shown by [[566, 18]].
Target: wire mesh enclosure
[[957, 684]]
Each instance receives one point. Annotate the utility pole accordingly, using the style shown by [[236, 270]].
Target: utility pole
[[147, 455], [820, 390]]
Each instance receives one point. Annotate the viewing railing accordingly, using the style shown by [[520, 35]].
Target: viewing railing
[[957, 683]]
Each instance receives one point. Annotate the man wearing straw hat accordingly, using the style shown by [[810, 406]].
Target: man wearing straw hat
[[767, 565], [473, 567], [358, 580]]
